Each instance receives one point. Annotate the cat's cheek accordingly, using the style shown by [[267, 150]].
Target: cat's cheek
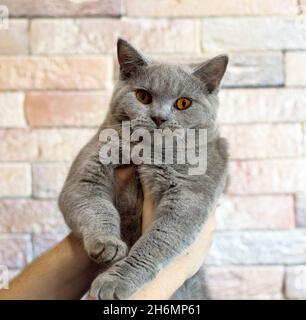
[[190, 118]]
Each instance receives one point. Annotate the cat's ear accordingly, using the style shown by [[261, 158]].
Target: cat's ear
[[212, 71], [129, 59]]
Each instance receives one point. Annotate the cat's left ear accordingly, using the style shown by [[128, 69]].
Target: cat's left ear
[[129, 59], [212, 71]]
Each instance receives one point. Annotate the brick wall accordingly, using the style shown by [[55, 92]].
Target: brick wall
[[57, 68]]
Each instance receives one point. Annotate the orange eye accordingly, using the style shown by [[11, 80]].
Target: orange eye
[[143, 96], [183, 103]]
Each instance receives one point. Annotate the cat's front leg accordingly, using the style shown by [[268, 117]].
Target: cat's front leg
[[92, 216], [87, 203], [180, 217]]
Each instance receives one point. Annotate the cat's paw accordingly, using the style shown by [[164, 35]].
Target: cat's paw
[[110, 287], [105, 248]]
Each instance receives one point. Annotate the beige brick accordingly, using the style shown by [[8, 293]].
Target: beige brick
[[33, 8], [254, 33], [301, 210], [262, 105], [18, 145], [74, 35], [15, 250], [55, 72], [49, 109], [15, 180], [100, 35], [197, 8], [255, 212], [251, 70], [258, 247], [42, 144], [62, 145], [264, 140], [295, 284], [43, 242], [267, 176], [30, 216], [11, 107], [296, 68], [241, 282], [15, 40], [48, 179]]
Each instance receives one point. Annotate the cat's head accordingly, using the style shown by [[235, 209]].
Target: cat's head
[[165, 95]]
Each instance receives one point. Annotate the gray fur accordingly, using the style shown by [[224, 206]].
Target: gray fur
[[110, 222]]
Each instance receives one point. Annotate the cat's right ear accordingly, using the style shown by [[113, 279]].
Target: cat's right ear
[[212, 71], [129, 59]]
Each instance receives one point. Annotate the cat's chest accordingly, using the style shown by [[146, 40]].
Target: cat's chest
[[134, 205], [138, 193]]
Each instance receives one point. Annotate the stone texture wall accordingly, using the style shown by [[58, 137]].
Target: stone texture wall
[[57, 68]]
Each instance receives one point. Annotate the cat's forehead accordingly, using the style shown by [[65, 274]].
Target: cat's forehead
[[164, 79]]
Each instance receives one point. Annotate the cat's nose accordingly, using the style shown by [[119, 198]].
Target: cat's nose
[[158, 120]]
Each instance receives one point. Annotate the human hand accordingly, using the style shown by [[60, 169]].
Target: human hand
[[172, 276]]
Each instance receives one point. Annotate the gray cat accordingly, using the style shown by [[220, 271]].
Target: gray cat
[[151, 95]]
